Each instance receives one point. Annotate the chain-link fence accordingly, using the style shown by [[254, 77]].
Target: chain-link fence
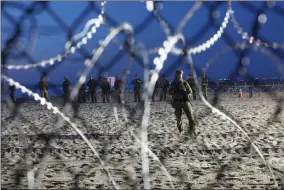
[[239, 140]]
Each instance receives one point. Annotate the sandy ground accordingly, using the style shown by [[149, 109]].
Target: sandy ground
[[219, 156]]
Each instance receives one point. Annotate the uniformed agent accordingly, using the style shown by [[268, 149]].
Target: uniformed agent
[[204, 85], [43, 87], [137, 84], [66, 85], [106, 88], [12, 89], [92, 89], [181, 92], [118, 88], [165, 84], [82, 93], [192, 85], [156, 89]]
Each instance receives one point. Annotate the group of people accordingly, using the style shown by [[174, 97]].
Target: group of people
[[91, 93], [164, 85], [180, 90]]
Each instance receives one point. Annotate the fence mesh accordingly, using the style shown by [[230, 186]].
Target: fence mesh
[[50, 144]]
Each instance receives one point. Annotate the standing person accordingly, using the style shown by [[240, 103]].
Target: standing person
[[118, 88], [12, 89], [165, 84], [105, 90], [250, 91], [82, 93], [43, 87], [204, 85], [66, 85], [92, 85], [192, 85], [181, 92], [240, 93], [155, 91], [137, 83]]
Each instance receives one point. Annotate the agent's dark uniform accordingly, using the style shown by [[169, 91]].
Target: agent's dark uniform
[[43, 87], [82, 94], [192, 85], [12, 89], [137, 87], [92, 85], [66, 85], [250, 91], [105, 90], [118, 88], [165, 84], [156, 89], [204, 85], [181, 92]]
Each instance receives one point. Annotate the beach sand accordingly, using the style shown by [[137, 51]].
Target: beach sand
[[218, 157]]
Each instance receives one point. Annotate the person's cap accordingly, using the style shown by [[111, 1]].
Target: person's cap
[[136, 75], [163, 75], [179, 71]]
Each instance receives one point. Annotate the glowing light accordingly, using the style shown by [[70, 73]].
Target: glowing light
[[262, 19], [150, 6]]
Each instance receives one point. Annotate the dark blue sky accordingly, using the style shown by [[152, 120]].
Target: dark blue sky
[[51, 37]]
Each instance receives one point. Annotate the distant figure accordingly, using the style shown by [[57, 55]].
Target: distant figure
[[204, 85], [250, 91], [92, 85], [165, 84], [192, 85], [156, 87], [66, 85], [181, 92], [105, 90], [118, 88], [12, 89], [137, 83], [82, 94], [43, 87], [240, 93]]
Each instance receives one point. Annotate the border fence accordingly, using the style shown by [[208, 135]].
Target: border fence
[[31, 175]]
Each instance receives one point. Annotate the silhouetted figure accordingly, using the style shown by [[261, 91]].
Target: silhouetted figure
[[137, 83], [165, 84], [12, 89], [43, 87], [82, 94], [66, 85], [250, 91], [204, 85], [118, 88], [192, 85], [92, 89], [105, 90], [156, 88]]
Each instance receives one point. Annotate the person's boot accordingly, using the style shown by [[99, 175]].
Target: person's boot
[[192, 130], [179, 125]]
